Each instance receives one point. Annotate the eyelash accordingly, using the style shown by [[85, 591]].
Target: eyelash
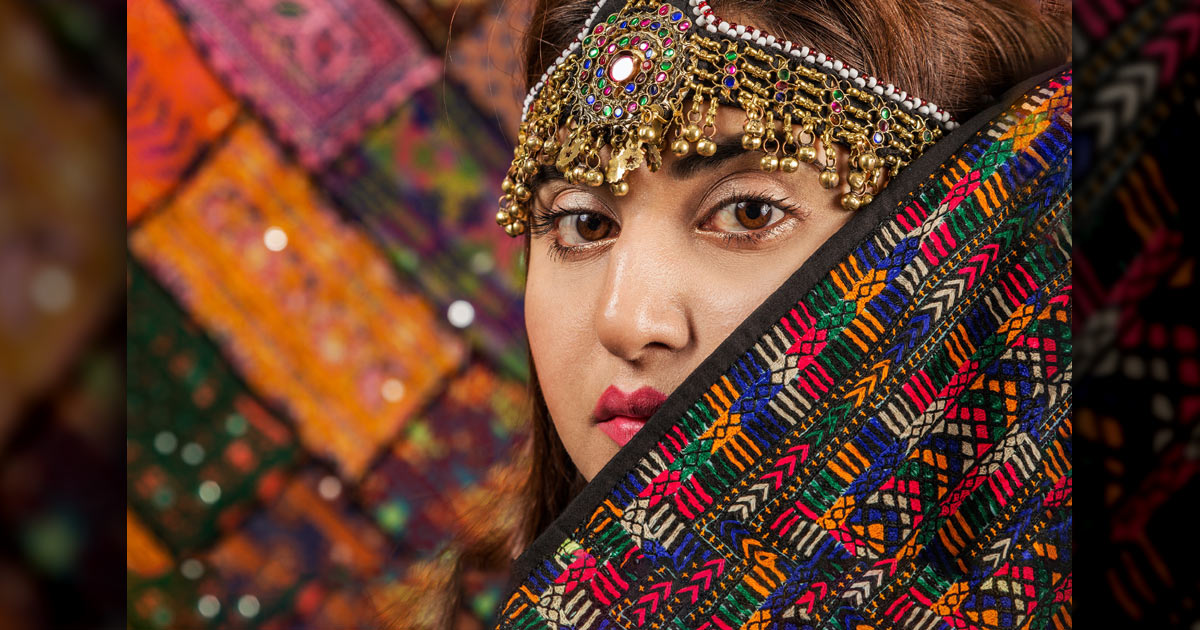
[[544, 222]]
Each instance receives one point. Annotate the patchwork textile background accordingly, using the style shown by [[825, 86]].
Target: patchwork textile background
[[325, 361]]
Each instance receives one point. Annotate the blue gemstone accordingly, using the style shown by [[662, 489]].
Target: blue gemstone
[[729, 82], [779, 96], [630, 88], [655, 26], [591, 99], [653, 90], [587, 63], [599, 72], [650, 54], [617, 112], [676, 16], [877, 138], [623, 24]]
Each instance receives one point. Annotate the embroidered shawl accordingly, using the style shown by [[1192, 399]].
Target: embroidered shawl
[[884, 443]]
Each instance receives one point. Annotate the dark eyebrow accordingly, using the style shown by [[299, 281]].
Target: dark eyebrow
[[683, 168], [545, 173], [692, 163]]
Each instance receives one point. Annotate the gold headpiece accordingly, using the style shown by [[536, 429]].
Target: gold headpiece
[[624, 81]]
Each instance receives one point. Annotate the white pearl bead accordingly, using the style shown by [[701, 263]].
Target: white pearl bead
[[821, 57], [761, 41], [770, 39], [710, 28], [741, 28]]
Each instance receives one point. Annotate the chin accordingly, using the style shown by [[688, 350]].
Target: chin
[[596, 453]]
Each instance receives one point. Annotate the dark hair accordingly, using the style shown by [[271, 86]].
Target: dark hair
[[960, 54]]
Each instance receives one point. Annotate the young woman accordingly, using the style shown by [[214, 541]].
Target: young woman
[[797, 333]]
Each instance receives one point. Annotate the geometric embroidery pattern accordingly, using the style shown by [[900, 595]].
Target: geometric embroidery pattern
[[892, 452]]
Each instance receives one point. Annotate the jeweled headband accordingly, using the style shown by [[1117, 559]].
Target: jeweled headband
[[625, 82]]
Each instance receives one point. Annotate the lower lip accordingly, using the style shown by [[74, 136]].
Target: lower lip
[[622, 429]]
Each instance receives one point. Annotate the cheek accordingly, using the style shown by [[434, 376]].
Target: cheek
[[556, 325], [737, 285]]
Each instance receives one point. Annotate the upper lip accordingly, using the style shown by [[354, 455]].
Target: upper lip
[[642, 403]]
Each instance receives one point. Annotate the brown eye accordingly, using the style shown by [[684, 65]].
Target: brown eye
[[584, 227], [752, 214]]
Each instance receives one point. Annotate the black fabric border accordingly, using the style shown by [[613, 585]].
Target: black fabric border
[[749, 331]]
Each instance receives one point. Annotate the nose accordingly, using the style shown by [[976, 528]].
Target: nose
[[644, 305]]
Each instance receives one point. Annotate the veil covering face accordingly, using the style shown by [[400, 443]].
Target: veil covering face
[[884, 443]]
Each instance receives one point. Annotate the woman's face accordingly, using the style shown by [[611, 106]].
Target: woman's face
[[627, 295]]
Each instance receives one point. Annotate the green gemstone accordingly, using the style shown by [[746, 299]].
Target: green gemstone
[[583, 90], [670, 52], [666, 65], [928, 136], [885, 113], [624, 41], [731, 56], [587, 41], [785, 74], [608, 110], [838, 95], [643, 100], [612, 19], [592, 52], [599, 84], [664, 32]]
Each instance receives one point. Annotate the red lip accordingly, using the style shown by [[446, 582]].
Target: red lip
[[640, 404], [621, 415]]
